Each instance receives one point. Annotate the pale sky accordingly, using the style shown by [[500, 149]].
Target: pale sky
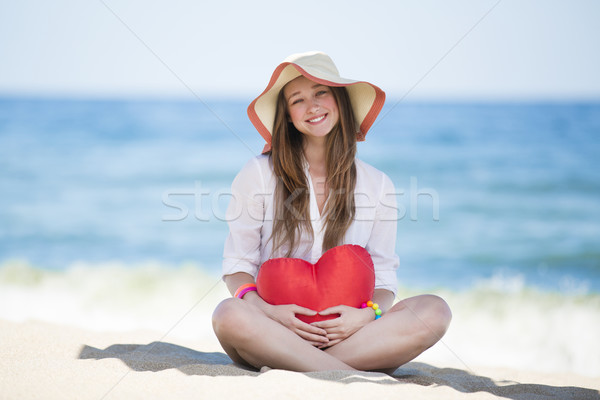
[[507, 49]]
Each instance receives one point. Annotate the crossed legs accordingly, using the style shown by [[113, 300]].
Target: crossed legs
[[407, 329]]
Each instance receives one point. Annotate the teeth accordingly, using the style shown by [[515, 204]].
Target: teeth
[[317, 119]]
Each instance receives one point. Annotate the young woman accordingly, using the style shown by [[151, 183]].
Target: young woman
[[307, 195]]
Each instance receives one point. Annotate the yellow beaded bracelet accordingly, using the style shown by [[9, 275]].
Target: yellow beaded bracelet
[[374, 306]]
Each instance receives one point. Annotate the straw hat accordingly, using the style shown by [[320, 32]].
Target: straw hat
[[366, 98]]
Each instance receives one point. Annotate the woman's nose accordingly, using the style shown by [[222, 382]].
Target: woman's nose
[[313, 105]]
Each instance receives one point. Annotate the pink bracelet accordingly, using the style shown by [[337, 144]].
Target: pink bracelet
[[242, 290]]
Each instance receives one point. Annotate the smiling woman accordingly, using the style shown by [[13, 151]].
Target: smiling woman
[[311, 107], [307, 188]]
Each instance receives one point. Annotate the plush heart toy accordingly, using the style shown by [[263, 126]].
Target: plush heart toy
[[343, 275]]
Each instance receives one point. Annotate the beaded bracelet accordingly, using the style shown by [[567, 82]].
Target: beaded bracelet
[[374, 306], [242, 290]]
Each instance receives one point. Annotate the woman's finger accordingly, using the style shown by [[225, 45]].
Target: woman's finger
[[327, 324], [304, 311], [330, 344], [332, 310], [320, 339], [335, 336], [310, 329]]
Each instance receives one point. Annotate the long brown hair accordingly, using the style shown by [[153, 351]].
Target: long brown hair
[[292, 194]]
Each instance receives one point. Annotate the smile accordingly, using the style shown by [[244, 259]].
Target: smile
[[317, 119]]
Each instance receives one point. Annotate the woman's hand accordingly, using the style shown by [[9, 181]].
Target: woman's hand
[[286, 315], [350, 320]]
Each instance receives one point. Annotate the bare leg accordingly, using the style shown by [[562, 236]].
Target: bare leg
[[405, 331], [250, 337]]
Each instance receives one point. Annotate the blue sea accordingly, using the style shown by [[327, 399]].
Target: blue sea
[[124, 200]]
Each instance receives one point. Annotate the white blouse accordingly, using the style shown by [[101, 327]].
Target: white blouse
[[250, 218]]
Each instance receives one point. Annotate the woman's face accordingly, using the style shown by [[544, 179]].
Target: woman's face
[[311, 106]]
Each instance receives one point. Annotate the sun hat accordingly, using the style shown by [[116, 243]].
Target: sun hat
[[366, 98]]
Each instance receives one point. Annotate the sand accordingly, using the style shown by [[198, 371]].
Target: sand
[[44, 361]]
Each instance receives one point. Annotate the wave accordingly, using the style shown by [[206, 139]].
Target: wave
[[497, 322], [503, 322], [113, 296]]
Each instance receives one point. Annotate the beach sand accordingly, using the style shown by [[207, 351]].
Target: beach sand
[[39, 360]]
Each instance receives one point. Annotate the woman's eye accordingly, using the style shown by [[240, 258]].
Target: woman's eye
[[296, 101], [321, 92]]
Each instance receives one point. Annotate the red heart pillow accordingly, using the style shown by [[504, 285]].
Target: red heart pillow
[[343, 275]]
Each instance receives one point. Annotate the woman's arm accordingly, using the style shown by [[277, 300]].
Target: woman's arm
[[234, 281], [382, 242], [384, 298], [245, 216], [284, 314], [352, 319]]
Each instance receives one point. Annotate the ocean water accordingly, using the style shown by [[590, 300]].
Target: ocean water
[[119, 205]]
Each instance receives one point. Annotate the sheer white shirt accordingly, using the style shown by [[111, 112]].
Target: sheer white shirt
[[251, 211]]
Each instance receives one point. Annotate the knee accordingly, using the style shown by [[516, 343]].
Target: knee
[[436, 316], [229, 317]]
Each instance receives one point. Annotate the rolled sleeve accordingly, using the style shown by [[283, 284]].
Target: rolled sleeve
[[245, 217], [382, 242]]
